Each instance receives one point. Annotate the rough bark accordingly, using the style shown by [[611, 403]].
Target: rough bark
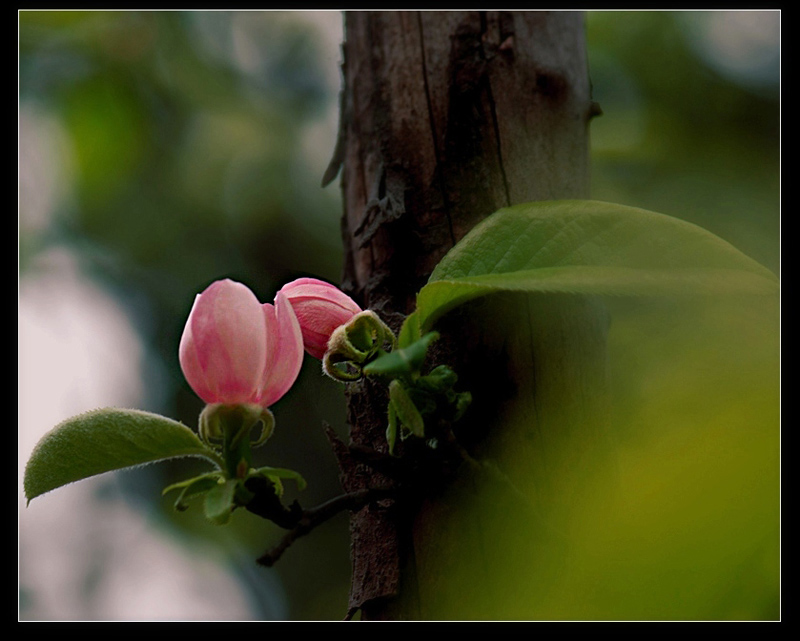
[[447, 117]]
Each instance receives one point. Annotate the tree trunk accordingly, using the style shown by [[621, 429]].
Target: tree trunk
[[447, 117]]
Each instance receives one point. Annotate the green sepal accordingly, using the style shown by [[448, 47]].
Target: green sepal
[[339, 368], [367, 333], [355, 343], [219, 422], [267, 419], [340, 345], [232, 425]]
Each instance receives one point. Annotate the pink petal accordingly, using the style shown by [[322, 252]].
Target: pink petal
[[190, 363], [320, 308], [312, 289], [228, 330], [285, 350]]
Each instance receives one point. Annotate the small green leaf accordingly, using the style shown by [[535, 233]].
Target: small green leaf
[[220, 501], [586, 247], [410, 331], [104, 440], [441, 379], [391, 428], [463, 401], [274, 473], [401, 362], [423, 400], [192, 487], [407, 412]]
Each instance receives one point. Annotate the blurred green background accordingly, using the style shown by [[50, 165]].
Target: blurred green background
[[159, 151]]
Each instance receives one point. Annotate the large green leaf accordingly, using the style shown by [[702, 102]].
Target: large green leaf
[[104, 440], [586, 247]]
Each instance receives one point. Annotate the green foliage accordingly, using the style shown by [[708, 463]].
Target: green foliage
[[275, 474], [193, 487], [679, 519], [412, 395], [222, 494], [683, 136], [406, 409], [221, 500], [104, 440], [403, 362], [112, 439], [586, 247]]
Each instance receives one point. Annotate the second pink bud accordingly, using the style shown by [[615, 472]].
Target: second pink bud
[[320, 308]]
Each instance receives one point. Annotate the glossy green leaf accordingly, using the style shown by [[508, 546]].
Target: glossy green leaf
[[586, 247], [104, 440]]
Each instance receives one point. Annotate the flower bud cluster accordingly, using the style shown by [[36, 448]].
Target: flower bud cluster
[[238, 351], [241, 356]]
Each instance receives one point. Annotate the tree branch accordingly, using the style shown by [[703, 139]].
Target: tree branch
[[316, 516]]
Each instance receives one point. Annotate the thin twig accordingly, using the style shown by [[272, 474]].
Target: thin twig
[[315, 516]]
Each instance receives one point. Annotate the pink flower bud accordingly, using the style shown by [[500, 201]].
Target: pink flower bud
[[235, 350], [320, 309]]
